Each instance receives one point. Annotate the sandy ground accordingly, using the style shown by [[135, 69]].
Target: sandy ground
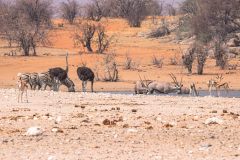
[[114, 126], [128, 41]]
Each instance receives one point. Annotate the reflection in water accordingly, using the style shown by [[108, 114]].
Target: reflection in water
[[202, 93]]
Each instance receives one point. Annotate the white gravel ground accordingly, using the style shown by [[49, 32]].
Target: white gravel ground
[[113, 126]]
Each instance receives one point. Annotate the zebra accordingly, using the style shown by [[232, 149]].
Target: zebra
[[30, 79], [34, 81], [46, 80]]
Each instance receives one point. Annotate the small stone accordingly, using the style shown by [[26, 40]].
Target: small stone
[[225, 111], [5, 141], [213, 120], [214, 111], [147, 123], [47, 114], [205, 147], [52, 158], [126, 126], [77, 106], [132, 130], [115, 136], [34, 131], [73, 127], [107, 122], [150, 128], [195, 118], [168, 125], [57, 130], [134, 110], [83, 107], [35, 118], [86, 120], [58, 120], [118, 108]]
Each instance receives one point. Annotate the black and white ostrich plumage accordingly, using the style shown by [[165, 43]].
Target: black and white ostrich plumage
[[85, 74], [62, 75]]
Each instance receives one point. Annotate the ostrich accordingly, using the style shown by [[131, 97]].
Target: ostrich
[[62, 75], [85, 74]]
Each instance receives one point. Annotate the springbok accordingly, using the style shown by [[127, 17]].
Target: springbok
[[217, 84], [22, 87]]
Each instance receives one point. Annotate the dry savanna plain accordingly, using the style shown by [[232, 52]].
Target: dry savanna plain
[[106, 125]]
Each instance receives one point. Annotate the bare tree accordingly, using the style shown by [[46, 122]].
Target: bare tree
[[213, 20], [84, 35], [155, 8], [201, 53], [70, 10], [111, 70], [188, 58], [95, 10], [103, 40], [134, 11], [189, 7], [171, 10], [26, 24], [220, 54]]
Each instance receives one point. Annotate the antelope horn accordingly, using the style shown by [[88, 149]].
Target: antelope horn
[[145, 81], [174, 78], [181, 81], [141, 81]]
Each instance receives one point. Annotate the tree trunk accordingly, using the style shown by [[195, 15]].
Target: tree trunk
[[200, 69], [190, 69], [34, 50], [88, 46], [26, 51]]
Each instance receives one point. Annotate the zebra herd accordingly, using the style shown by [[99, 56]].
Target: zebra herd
[[40, 81], [55, 77]]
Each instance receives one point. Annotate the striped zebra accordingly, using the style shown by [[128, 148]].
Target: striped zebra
[[34, 81], [31, 79], [46, 80]]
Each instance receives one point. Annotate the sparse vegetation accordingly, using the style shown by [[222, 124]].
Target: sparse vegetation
[[103, 40], [25, 23], [129, 63], [173, 60], [134, 11], [201, 54], [95, 10], [161, 31], [213, 22], [96, 69], [70, 10], [158, 62], [84, 35], [111, 70], [188, 58], [171, 10]]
